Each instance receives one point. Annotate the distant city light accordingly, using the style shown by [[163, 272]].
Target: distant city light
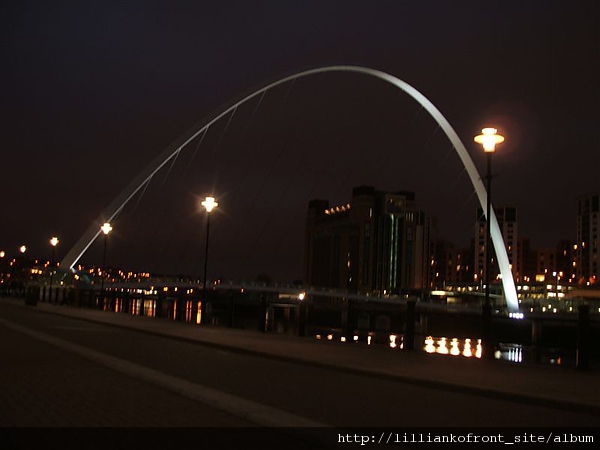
[[22, 248]]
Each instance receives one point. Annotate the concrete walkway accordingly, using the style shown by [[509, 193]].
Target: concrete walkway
[[544, 385]]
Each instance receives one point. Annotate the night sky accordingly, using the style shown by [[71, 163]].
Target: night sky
[[92, 91]]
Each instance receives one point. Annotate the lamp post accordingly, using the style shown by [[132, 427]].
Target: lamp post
[[22, 250], [488, 139], [3, 273], [106, 228], [209, 204], [53, 243]]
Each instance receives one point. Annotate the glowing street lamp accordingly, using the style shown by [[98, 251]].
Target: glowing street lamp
[[23, 248], [209, 205], [106, 228], [53, 243], [488, 138]]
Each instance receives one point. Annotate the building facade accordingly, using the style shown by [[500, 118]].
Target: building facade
[[451, 265], [586, 257], [377, 243], [507, 221]]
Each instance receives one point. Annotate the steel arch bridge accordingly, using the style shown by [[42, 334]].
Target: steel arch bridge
[[174, 149]]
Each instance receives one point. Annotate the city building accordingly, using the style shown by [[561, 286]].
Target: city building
[[450, 264], [527, 261], [586, 258], [377, 243], [545, 261], [507, 221], [541, 264], [566, 260]]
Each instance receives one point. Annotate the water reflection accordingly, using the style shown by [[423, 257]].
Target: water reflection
[[453, 347], [510, 352], [459, 347], [516, 353]]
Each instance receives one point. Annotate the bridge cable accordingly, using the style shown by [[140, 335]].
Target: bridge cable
[[274, 210], [224, 131], [200, 140], [253, 113], [266, 223], [192, 234], [223, 156], [170, 167], [301, 214], [471, 195], [317, 179], [251, 205], [174, 228], [159, 218], [246, 173], [139, 197]]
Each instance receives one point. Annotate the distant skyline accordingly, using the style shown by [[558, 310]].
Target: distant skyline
[[93, 91]]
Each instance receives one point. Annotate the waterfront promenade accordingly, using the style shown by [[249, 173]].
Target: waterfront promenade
[[533, 384]]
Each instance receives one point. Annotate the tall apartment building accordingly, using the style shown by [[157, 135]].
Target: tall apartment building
[[379, 243], [586, 257], [450, 264], [565, 259], [539, 264], [545, 261], [528, 261], [507, 221]]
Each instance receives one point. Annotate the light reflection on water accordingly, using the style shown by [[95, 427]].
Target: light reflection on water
[[467, 348], [511, 352], [454, 347]]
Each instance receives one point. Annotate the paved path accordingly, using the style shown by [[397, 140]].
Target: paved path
[[544, 385]]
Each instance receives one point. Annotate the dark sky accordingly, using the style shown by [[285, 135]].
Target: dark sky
[[92, 91]]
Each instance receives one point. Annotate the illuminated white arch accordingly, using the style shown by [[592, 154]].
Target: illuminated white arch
[[172, 151]]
